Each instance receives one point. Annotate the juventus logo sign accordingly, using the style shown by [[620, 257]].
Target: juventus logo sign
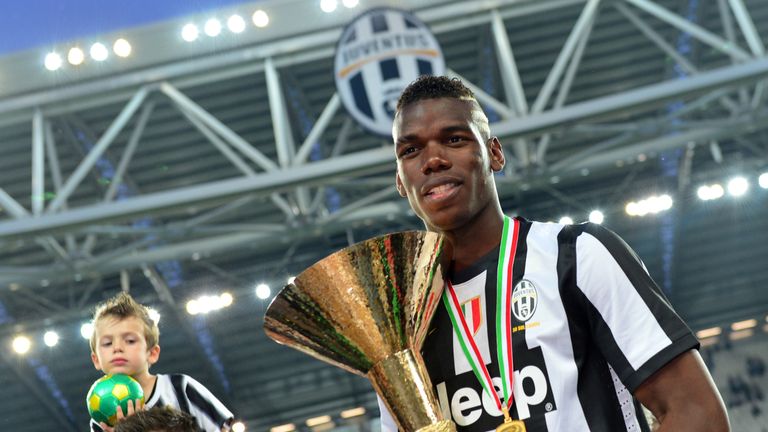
[[524, 300], [378, 55]]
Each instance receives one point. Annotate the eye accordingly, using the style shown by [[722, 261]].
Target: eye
[[405, 151], [106, 344], [455, 139]]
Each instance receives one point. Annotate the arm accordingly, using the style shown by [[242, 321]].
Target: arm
[[683, 397]]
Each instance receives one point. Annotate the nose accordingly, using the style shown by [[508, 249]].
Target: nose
[[434, 158], [117, 346]]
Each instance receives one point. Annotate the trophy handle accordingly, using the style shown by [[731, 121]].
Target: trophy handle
[[402, 381]]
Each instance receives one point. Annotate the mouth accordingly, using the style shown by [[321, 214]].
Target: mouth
[[119, 362], [442, 191]]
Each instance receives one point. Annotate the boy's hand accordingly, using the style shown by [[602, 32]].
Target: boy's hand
[[133, 407]]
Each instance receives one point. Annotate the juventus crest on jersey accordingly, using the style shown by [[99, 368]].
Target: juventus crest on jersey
[[588, 326]]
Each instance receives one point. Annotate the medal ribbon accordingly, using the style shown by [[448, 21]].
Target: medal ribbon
[[503, 320]]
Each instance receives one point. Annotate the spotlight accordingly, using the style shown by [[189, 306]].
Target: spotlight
[[350, 3], [75, 56], [317, 421], [21, 344], [86, 330], [52, 61], [238, 427], [190, 32], [763, 180], [99, 52], [226, 299], [262, 291], [122, 48], [565, 220], [354, 412], [260, 19], [154, 315], [290, 427], [328, 6], [212, 27], [51, 338], [596, 216], [192, 307], [710, 192], [738, 186], [236, 24], [652, 205]]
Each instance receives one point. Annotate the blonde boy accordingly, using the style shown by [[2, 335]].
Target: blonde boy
[[126, 340]]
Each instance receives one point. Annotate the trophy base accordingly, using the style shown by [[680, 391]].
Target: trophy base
[[441, 426]]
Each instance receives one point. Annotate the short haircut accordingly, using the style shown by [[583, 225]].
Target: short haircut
[[438, 87], [158, 419], [124, 306], [434, 87]]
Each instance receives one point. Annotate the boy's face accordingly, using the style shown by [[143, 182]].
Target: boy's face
[[444, 165], [121, 346]]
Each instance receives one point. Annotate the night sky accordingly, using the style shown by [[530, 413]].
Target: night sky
[[27, 24]]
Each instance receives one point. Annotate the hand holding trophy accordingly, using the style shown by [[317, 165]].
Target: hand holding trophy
[[366, 309]]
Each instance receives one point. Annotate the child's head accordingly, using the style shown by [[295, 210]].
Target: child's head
[[157, 419], [125, 339]]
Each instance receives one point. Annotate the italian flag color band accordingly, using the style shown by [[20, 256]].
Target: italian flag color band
[[509, 236]]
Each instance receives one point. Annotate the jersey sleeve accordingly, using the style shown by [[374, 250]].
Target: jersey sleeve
[[210, 413], [387, 421], [630, 318]]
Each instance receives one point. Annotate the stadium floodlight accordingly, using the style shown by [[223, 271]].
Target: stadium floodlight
[[236, 24], [122, 48], [650, 205], [21, 344], [99, 52], [317, 421], [154, 315], [86, 330], [212, 27], [565, 220], [75, 56], [262, 291], [596, 216], [738, 186], [260, 19], [190, 32], [52, 61], [350, 3], [763, 180], [51, 338], [710, 192], [354, 412], [290, 427], [192, 307], [328, 6], [226, 299], [238, 427]]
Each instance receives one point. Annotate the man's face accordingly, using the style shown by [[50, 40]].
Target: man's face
[[444, 165], [121, 346]]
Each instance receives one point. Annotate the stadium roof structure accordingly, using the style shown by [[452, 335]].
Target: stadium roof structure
[[191, 168]]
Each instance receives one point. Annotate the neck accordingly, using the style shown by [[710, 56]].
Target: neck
[[147, 382], [474, 240]]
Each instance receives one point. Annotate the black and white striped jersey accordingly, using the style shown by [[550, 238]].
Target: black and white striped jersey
[[589, 326], [186, 394]]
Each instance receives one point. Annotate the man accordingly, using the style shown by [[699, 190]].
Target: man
[[557, 326]]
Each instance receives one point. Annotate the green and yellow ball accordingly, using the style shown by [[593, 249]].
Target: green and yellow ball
[[109, 392]]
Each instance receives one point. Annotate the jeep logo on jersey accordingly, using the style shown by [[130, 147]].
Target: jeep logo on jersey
[[378, 55], [524, 300], [533, 396]]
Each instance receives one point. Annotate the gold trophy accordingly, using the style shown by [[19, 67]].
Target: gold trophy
[[366, 309]]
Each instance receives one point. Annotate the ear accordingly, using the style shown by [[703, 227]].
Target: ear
[[154, 355], [399, 184], [96, 362], [496, 154]]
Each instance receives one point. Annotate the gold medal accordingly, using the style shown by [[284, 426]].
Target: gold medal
[[510, 425]]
